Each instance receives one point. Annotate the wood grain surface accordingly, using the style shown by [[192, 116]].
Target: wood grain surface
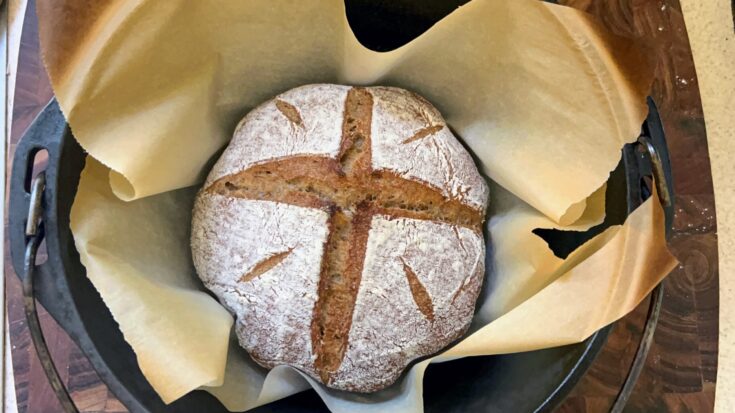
[[680, 371], [681, 368]]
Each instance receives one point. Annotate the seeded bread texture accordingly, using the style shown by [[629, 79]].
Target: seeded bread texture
[[342, 227]]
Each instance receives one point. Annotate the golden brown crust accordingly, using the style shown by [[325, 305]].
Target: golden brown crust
[[318, 182], [423, 133], [418, 291], [265, 265], [342, 266], [354, 152], [290, 112], [338, 285]]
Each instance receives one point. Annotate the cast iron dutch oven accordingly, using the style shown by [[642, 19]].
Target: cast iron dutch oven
[[523, 382]]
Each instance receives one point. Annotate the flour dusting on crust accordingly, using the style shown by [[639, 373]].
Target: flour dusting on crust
[[436, 158], [449, 263], [274, 310], [260, 232], [265, 133]]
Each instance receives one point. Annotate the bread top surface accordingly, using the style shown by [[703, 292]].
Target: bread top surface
[[342, 226], [409, 137]]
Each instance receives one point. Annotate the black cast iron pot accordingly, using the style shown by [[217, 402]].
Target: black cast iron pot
[[524, 382]]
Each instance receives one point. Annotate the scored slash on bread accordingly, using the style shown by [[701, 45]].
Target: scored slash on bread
[[352, 192], [290, 112], [264, 266]]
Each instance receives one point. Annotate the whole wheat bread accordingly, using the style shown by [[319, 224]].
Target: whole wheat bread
[[342, 227]]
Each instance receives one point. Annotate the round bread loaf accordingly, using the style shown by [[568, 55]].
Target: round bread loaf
[[342, 228]]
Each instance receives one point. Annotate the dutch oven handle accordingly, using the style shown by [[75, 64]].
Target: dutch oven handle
[[653, 159], [28, 212]]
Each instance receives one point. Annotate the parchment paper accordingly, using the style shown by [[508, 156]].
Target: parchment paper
[[534, 300], [143, 273], [541, 94], [155, 87]]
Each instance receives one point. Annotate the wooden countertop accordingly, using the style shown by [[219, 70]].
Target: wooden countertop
[[680, 371], [711, 27]]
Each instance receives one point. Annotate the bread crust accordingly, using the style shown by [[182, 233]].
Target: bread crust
[[342, 227]]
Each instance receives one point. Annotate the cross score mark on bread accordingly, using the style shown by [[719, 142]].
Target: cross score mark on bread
[[341, 226], [353, 193]]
